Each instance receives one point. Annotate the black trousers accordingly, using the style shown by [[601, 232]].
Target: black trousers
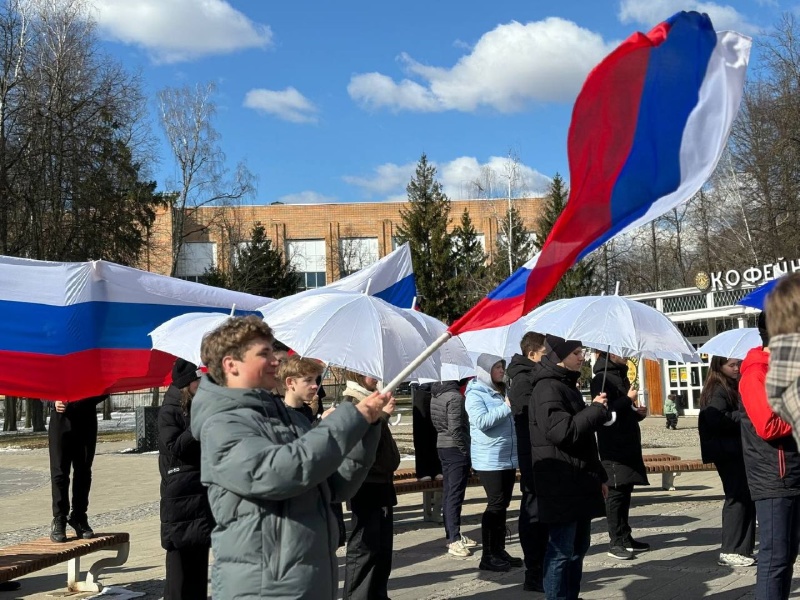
[[738, 509], [187, 574], [498, 485], [455, 469], [618, 507], [368, 562], [672, 420], [532, 534], [72, 441]]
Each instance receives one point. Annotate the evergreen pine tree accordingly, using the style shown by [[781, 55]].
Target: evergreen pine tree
[[580, 280], [261, 269], [513, 236], [424, 226], [470, 265]]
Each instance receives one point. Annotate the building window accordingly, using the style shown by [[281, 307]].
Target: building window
[[308, 257], [195, 259], [356, 253]]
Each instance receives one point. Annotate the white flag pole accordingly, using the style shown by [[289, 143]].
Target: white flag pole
[[438, 343]]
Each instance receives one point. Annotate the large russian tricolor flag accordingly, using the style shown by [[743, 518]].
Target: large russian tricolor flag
[[73, 330], [647, 131]]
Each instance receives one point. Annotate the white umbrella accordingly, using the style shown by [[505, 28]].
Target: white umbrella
[[609, 323], [181, 336], [500, 341], [735, 343], [456, 361], [352, 330], [614, 324]]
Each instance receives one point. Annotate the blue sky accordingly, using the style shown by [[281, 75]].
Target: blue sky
[[336, 101]]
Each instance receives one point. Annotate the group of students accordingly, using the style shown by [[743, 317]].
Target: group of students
[[252, 467], [576, 462], [753, 448]]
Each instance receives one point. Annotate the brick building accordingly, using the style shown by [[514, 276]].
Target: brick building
[[324, 241]]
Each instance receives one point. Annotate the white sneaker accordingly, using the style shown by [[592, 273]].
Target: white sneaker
[[426, 478], [468, 542], [736, 560], [457, 548]]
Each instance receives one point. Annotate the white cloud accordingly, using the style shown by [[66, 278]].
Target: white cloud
[[456, 176], [307, 197], [652, 12], [179, 30], [288, 104], [384, 179], [508, 68]]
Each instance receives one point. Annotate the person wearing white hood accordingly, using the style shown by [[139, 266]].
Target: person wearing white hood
[[493, 449]]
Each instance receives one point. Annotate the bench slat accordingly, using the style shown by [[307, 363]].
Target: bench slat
[[36, 555]]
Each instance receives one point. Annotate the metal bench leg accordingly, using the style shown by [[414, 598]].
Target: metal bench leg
[[668, 481], [92, 583], [427, 505], [432, 506]]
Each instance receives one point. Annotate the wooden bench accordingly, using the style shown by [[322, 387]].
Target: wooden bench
[[405, 480], [22, 559], [670, 469]]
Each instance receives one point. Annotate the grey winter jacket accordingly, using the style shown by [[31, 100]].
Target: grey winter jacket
[[271, 479], [449, 416]]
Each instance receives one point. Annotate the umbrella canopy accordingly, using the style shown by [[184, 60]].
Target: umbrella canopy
[[181, 336], [453, 356], [610, 323], [758, 297], [352, 330], [735, 343]]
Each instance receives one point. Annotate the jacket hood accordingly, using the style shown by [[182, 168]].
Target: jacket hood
[[483, 367], [212, 399], [521, 364], [755, 356], [172, 397], [440, 387], [602, 361], [481, 386], [549, 369]]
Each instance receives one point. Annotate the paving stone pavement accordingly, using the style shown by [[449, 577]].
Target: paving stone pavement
[[683, 527]]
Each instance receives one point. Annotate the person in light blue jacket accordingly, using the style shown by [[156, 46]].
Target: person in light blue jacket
[[493, 449]]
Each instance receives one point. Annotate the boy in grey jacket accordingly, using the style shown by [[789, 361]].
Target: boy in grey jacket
[[270, 477]]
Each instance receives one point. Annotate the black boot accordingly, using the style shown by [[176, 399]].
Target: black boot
[[58, 530], [81, 526], [489, 560], [533, 581], [500, 547]]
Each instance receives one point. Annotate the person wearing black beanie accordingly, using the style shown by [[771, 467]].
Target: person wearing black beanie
[[186, 520], [570, 480]]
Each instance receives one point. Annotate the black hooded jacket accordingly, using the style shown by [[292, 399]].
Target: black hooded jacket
[[521, 371], [620, 443], [566, 466], [186, 518], [449, 416]]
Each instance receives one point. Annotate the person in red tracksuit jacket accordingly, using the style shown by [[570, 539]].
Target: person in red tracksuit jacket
[[772, 463]]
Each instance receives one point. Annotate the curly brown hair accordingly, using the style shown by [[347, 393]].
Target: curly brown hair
[[783, 306], [232, 338]]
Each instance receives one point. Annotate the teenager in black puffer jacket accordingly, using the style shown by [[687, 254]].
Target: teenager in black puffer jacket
[[186, 519], [570, 481], [532, 533]]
